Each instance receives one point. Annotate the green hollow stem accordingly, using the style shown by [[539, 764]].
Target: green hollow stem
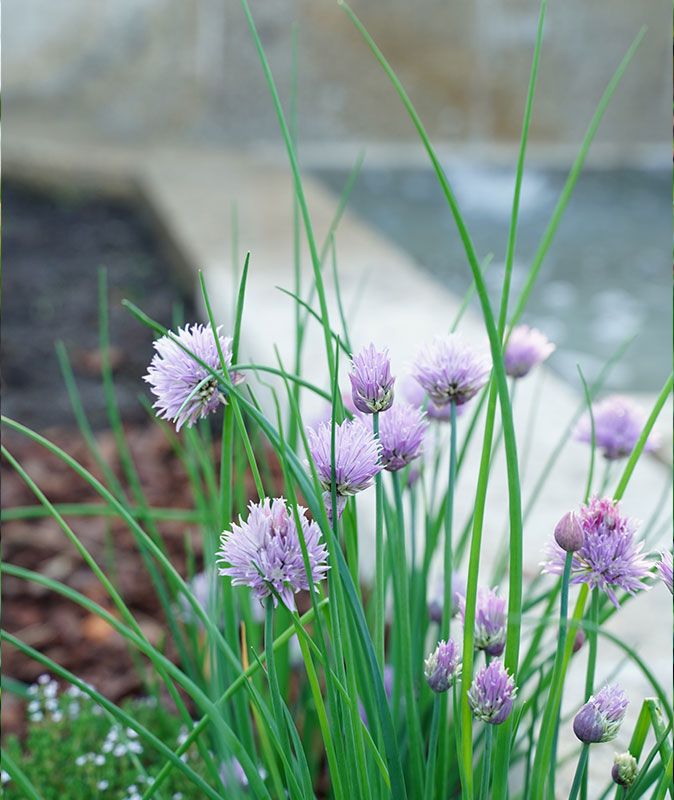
[[591, 666], [272, 677], [551, 710], [581, 771], [559, 655], [379, 576], [500, 384], [401, 584], [448, 568], [486, 762], [468, 656], [432, 749], [449, 518]]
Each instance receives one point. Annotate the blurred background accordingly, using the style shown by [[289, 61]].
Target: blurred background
[[91, 89]]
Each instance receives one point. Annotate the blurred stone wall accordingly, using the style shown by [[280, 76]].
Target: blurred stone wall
[[146, 69]]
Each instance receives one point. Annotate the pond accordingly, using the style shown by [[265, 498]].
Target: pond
[[606, 276]]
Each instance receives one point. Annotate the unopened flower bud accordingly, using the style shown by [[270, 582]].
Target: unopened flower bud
[[625, 769], [579, 640], [569, 533], [443, 666], [371, 380], [599, 720]]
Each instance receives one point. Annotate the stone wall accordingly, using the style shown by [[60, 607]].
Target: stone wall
[[187, 68]]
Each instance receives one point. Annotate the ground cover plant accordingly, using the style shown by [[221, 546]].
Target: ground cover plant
[[292, 676]]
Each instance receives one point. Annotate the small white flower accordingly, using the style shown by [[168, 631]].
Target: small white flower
[[99, 760], [5, 777], [81, 761], [51, 704], [103, 785], [43, 679], [119, 750], [34, 707], [134, 747], [57, 716], [131, 733], [51, 689], [37, 717]]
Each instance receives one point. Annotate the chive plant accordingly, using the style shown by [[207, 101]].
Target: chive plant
[[295, 675]]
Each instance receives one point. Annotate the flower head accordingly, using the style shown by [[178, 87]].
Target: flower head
[[525, 348], [599, 720], [625, 769], [265, 552], [492, 693], [609, 558], [416, 396], [356, 456], [490, 621], [437, 600], [371, 380], [618, 423], [451, 371], [664, 567], [443, 666], [401, 433], [185, 390]]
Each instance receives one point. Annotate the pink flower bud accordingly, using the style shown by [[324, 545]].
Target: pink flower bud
[[569, 533]]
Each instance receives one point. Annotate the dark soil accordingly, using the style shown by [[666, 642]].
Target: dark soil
[[53, 247]]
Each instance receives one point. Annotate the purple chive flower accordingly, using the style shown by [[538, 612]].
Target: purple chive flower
[[490, 621], [618, 423], [525, 348], [185, 390], [458, 595], [264, 552], [371, 380], [664, 567], [450, 370], [599, 720], [492, 693], [356, 456], [443, 666], [609, 558], [401, 434], [416, 396]]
